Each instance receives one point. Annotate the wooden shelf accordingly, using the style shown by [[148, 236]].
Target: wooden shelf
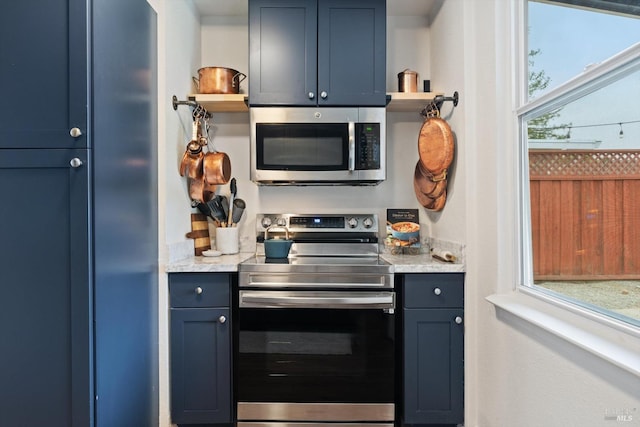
[[410, 101], [235, 103]]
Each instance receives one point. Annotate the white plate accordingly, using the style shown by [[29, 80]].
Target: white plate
[[211, 252]]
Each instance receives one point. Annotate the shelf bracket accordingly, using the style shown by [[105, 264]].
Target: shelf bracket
[[439, 100], [198, 110]]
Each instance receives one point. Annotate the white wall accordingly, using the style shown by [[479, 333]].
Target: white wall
[[178, 56]]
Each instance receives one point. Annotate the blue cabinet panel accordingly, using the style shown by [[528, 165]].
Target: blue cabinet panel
[[433, 345], [352, 52], [45, 362], [200, 365], [201, 368], [317, 52], [433, 362], [282, 57], [43, 64], [124, 212]]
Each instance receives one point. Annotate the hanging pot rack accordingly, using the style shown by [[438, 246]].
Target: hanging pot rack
[[198, 110], [440, 99], [433, 108]]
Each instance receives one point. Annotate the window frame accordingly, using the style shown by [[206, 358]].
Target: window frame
[[596, 77]]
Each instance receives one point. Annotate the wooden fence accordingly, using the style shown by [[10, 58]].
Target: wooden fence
[[585, 214]]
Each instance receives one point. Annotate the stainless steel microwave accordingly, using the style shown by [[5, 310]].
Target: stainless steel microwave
[[318, 146]]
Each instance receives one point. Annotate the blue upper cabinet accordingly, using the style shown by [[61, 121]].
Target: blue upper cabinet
[[43, 64], [317, 52]]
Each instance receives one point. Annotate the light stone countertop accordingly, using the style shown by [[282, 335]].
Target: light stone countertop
[[204, 264], [422, 263]]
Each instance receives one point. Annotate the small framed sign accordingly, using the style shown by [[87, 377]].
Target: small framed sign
[[403, 231]]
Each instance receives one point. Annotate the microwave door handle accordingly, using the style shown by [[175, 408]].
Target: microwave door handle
[[352, 146]]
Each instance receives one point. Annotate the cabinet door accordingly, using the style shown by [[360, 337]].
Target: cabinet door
[[433, 366], [200, 365], [44, 73], [352, 52], [282, 52], [45, 289]]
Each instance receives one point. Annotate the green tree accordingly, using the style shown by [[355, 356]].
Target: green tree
[[541, 127]]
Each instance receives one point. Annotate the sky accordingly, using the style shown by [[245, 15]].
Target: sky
[[570, 40]]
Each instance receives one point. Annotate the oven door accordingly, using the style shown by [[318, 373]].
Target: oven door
[[314, 356]]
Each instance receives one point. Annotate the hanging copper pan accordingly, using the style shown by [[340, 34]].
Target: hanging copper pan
[[423, 199], [200, 191], [436, 147], [426, 185], [217, 168]]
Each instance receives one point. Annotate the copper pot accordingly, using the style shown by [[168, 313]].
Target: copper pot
[[219, 80], [217, 168], [200, 190]]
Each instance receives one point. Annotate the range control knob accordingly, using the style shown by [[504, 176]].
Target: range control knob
[[266, 222], [352, 222], [282, 222], [367, 222]]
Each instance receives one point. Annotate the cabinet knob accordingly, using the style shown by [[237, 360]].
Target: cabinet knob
[[75, 162], [198, 290], [323, 95], [222, 319], [437, 291], [458, 320], [75, 132], [311, 95]]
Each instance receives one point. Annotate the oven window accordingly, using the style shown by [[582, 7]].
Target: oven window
[[302, 146], [315, 355]]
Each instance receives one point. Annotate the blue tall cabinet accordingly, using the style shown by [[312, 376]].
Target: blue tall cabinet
[[78, 228]]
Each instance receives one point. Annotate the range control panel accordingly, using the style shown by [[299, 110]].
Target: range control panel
[[319, 222]]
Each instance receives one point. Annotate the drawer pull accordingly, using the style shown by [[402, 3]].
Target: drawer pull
[[458, 320], [437, 291], [199, 290], [222, 319]]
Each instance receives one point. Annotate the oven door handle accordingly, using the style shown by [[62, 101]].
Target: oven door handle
[[303, 299]]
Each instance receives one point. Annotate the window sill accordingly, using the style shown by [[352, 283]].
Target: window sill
[[621, 348]]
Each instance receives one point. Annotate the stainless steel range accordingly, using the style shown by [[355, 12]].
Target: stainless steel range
[[316, 330]]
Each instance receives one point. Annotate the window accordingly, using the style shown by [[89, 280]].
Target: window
[[580, 130]]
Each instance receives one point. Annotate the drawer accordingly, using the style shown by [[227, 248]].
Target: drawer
[[433, 290], [199, 290]]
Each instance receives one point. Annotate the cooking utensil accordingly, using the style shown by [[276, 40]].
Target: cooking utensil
[[202, 207], [216, 167], [192, 160], [238, 209], [217, 212], [426, 185], [423, 199], [435, 147], [219, 80], [277, 248], [224, 202], [234, 190], [200, 233], [199, 190]]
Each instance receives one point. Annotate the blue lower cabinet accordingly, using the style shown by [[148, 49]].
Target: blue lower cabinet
[[433, 345], [201, 367]]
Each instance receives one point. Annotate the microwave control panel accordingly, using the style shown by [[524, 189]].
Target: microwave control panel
[[367, 146]]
